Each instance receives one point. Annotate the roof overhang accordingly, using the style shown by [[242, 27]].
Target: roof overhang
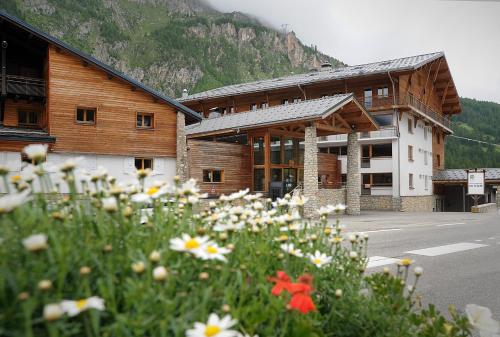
[[342, 115], [192, 116]]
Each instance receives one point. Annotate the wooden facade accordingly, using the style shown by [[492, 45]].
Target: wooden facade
[[233, 160]]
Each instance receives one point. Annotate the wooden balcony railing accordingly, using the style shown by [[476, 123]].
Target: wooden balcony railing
[[25, 86], [390, 102]]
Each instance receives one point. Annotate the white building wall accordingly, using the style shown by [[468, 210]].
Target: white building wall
[[120, 167], [419, 167]]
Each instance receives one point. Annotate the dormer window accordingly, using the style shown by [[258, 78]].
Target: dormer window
[[253, 107]]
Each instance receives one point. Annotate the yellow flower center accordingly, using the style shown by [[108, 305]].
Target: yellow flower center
[[211, 250], [15, 178], [406, 262], [317, 261], [152, 190], [191, 244], [212, 330], [80, 304]]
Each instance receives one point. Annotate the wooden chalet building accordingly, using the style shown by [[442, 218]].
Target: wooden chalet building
[[389, 138], [52, 93]]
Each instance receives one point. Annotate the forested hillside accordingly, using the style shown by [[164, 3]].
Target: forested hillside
[[171, 44], [478, 120]]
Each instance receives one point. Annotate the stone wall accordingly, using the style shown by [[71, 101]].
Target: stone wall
[[424, 203], [353, 175], [378, 202], [181, 164], [331, 196], [310, 171]]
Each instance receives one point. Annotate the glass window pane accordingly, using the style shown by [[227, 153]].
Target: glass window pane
[[276, 175], [383, 120], [382, 179], [80, 115], [217, 176], [258, 151], [368, 98], [147, 121], [139, 120], [138, 163], [148, 163], [21, 117], [301, 153], [275, 150], [90, 115], [381, 150], [258, 179], [207, 176], [290, 150]]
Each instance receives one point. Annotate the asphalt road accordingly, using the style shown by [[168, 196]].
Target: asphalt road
[[460, 253]]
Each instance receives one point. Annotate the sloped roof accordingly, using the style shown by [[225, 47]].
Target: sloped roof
[[401, 64], [190, 114], [302, 111], [461, 175]]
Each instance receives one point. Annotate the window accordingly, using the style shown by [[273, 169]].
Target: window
[[145, 120], [297, 99], [258, 151], [382, 179], [426, 182], [144, 163], [253, 107], [27, 118], [382, 150], [264, 105], [85, 115], [285, 102], [339, 150], [410, 181], [258, 179], [410, 125], [383, 92], [275, 150], [368, 98], [213, 176], [438, 159], [323, 150], [383, 120], [291, 150], [425, 158], [410, 153]]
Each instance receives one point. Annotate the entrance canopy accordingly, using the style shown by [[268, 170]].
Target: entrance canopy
[[337, 114]]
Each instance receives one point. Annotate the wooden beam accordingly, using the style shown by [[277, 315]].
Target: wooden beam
[[331, 128], [342, 121], [437, 71], [444, 92]]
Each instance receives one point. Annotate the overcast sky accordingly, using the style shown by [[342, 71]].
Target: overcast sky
[[362, 31]]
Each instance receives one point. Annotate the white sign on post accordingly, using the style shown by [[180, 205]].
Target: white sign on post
[[475, 182]]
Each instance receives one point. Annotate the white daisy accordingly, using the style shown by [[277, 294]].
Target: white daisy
[[11, 201], [338, 208], [290, 249], [188, 188], [211, 251], [188, 244], [36, 152], [140, 198], [238, 195], [480, 318], [109, 204], [215, 327], [298, 201], [73, 308], [320, 259]]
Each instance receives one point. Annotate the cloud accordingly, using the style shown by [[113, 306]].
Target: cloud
[[361, 31]]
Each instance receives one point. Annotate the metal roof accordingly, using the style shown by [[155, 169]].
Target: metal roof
[[401, 64], [461, 175], [21, 134], [305, 110], [191, 114]]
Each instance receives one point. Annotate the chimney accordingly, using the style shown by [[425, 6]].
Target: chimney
[[326, 66], [184, 93]]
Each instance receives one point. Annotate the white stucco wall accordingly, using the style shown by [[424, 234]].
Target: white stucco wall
[[120, 167], [420, 169]]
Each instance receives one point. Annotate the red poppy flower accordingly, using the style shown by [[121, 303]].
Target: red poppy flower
[[283, 282], [302, 303]]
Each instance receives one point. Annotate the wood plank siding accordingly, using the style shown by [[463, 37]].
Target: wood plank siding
[[330, 167], [74, 84], [232, 159], [12, 109]]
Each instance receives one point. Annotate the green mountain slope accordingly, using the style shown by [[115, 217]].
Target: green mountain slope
[[171, 44], [478, 120]]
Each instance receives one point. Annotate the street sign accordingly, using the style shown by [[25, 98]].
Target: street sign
[[475, 182]]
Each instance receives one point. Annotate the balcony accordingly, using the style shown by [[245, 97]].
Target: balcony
[[386, 133], [376, 103], [24, 86]]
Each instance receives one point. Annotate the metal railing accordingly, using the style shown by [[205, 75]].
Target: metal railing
[[27, 86], [417, 104], [389, 132], [373, 102]]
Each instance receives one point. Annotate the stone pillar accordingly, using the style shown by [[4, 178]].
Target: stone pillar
[[181, 164], [311, 172], [353, 176], [498, 196]]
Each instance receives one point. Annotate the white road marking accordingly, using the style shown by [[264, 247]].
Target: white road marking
[[446, 249], [376, 231], [378, 261], [492, 238], [478, 240], [450, 224]]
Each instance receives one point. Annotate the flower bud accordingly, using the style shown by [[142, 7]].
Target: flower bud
[[338, 293], [160, 274], [85, 270], [226, 308], [419, 271], [52, 312], [154, 256], [353, 255], [138, 267], [23, 296], [203, 276], [45, 285]]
